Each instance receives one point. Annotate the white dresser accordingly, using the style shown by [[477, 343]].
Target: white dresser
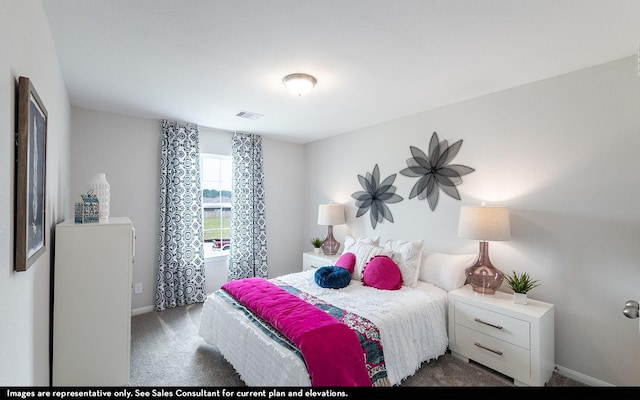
[[312, 260], [516, 340], [92, 303]]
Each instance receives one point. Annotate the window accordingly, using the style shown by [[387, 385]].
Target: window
[[216, 203]]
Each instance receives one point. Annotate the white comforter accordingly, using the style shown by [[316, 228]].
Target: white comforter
[[412, 324]]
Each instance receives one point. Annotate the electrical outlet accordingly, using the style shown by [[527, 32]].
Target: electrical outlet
[[137, 288]]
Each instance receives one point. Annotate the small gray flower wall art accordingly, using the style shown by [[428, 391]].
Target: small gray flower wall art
[[375, 196], [434, 171]]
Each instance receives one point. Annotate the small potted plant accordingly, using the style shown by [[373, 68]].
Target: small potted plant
[[520, 284], [316, 243]]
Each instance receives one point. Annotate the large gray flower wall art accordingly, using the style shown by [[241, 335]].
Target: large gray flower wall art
[[434, 171], [375, 196]]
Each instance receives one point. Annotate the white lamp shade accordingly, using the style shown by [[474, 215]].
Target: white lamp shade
[[299, 84], [484, 223], [330, 214]]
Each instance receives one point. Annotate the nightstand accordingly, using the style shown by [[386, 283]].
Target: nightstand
[[515, 340], [312, 260]]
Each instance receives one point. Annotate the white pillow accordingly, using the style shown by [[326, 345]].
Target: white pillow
[[350, 241], [364, 249], [407, 255], [445, 270]]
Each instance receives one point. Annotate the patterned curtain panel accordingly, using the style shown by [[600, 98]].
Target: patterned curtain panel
[[181, 272], [248, 257]]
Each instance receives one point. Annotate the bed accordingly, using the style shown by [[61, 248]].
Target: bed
[[411, 320]]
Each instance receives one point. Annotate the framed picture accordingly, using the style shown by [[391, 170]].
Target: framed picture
[[30, 194]]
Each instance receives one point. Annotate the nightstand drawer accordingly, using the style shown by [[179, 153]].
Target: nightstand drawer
[[494, 353], [500, 326], [308, 263], [514, 339], [313, 261]]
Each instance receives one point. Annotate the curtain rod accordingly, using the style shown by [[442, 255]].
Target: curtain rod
[[182, 123]]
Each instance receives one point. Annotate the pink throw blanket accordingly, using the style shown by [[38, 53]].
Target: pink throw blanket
[[330, 348]]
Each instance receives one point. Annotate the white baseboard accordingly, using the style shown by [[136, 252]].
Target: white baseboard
[[582, 378], [142, 310]]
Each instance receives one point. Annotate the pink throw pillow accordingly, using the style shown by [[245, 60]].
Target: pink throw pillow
[[347, 261], [382, 273]]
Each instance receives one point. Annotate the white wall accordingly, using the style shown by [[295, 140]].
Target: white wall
[[562, 154], [26, 49], [284, 197], [127, 150]]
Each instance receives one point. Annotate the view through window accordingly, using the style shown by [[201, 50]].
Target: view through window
[[216, 203]]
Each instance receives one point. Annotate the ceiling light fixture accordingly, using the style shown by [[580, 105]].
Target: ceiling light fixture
[[299, 84]]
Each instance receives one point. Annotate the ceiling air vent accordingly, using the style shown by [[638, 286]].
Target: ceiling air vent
[[248, 115]]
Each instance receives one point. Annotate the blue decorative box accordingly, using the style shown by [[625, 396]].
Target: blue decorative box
[[87, 209]]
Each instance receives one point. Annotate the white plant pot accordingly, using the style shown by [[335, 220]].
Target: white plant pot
[[520, 298], [316, 250]]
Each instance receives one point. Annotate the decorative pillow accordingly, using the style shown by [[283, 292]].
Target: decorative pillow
[[445, 270], [332, 277], [407, 255], [364, 253], [347, 261], [382, 273], [364, 249], [350, 241]]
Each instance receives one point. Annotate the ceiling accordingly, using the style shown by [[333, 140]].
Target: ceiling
[[204, 61]]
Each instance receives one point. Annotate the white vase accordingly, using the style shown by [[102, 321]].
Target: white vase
[[101, 189], [520, 298]]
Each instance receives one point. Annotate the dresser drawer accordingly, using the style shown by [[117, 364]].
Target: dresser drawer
[[494, 353], [499, 326]]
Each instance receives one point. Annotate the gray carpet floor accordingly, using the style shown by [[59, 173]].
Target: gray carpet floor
[[166, 350]]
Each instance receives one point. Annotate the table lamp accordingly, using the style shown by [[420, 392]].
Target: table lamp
[[330, 214], [484, 223]]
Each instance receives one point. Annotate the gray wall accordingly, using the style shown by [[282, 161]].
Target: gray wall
[[26, 49], [562, 154], [127, 149]]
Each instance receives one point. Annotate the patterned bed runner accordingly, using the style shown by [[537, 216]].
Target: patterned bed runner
[[366, 331]]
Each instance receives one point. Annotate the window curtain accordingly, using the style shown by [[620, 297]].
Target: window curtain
[[248, 256], [181, 279]]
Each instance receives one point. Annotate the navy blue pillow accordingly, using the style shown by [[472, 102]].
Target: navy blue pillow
[[332, 277]]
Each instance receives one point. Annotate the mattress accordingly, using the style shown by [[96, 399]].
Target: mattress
[[411, 321]]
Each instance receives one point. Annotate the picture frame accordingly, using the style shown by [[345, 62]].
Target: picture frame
[[30, 185]]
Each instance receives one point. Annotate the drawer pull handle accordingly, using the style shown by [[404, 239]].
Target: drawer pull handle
[[486, 323], [498, 352]]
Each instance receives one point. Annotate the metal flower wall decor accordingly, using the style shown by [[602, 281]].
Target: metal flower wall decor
[[375, 195], [434, 171]]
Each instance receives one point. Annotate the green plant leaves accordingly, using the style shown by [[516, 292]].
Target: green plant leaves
[[521, 283]]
